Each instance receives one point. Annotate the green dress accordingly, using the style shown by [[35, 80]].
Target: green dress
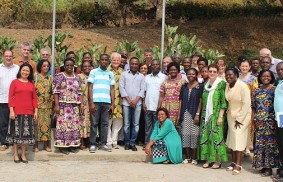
[[212, 146], [167, 133]]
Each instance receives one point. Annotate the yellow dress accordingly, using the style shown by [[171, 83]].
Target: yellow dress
[[239, 109]]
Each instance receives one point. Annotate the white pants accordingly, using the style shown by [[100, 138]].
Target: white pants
[[114, 126]]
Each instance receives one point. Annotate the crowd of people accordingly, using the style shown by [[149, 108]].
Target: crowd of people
[[189, 107]]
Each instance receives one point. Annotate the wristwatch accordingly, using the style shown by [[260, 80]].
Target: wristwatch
[[197, 114]]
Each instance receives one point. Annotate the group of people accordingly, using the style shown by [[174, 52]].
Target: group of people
[[187, 107]]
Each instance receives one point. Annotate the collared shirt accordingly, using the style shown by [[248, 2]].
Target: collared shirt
[[102, 81], [7, 75], [131, 85], [19, 61], [278, 98], [152, 89], [274, 62]]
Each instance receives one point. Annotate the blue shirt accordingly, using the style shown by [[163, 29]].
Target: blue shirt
[[102, 81], [278, 98]]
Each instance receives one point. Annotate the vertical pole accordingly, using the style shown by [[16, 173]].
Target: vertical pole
[[163, 32], [53, 39]]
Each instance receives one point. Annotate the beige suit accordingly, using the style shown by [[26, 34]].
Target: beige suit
[[239, 109]]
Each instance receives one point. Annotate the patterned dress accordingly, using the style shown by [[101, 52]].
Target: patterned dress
[[171, 90], [118, 108], [43, 86], [266, 153], [68, 125], [85, 119], [211, 143], [190, 101]]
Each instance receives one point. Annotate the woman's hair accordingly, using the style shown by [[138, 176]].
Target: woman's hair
[[142, 64], [69, 53], [195, 70], [261, 73], [164, 110], [85, 53], [40, 63], [84, 61], [173, 64], [213, 66], [234, 70], [30, 77], [244, 61], [68, 59], [202, 59]]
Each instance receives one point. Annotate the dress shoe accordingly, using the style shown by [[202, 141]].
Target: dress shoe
[[134, 148], [127, 146], [17, 161], [25, 161]]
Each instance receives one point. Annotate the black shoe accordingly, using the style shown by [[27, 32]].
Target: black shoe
[[134, 148], [120, 142], [127, 147], [17, 161]]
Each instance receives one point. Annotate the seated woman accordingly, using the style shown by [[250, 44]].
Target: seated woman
[[165, 143]]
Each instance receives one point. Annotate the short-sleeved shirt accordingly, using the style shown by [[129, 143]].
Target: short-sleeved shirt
[[102, 81], [278, 98], [19, 61]]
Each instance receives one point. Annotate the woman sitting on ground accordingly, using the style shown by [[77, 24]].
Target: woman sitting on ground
[[165, 143]]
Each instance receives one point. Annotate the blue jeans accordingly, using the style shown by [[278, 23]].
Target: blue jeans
[[101, 116], [150, 118], [131, 123]]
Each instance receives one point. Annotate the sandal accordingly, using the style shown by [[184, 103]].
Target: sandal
[[231, 167], [36, 150], [166, 162], [64, 151], [216, 165], [237, 171], [48, 149], [206, 165], [267, 172]]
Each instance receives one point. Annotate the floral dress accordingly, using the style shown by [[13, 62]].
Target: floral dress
[[68, 124], [266, 152], [85, 119], [171, 90], [43, 86]]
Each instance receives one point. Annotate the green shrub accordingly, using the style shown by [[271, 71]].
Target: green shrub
[[6, 43]]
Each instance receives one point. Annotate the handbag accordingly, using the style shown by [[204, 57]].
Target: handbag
[[53, 121]]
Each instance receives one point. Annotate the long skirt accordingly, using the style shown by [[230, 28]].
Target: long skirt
[[159, 152], [68, 126], [190, 132], [21, 130], [42, 129]]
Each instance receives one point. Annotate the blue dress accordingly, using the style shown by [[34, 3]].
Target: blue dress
[[168, 144]]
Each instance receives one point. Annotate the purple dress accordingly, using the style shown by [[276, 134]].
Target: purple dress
[[68, 124]]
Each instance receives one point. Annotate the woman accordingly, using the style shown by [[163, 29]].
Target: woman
[[238, 115], [222, 66], [251, 81], [266, 152], [68, 97], [165, 143], [170, 91], [23, 112], [143, 69], [211, 144], [190, 104], [86, 67], [204, 74], [43, 86]]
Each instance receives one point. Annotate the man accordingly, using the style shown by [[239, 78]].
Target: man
[[131, 85], [195, 58], [153, 82], [274, 61], [165, 62], [265, 63], [101, 95], [116, 120], [148, 54], [255, 67], [187, 62], [44, 54], [25, 57], [8, 72], [278, 107]]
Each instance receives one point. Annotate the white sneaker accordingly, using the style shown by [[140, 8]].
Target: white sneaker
[[194, 162], [186, 161]]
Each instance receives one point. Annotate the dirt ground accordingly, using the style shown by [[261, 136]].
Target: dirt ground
[[233, 36]]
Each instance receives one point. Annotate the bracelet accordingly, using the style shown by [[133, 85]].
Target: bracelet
[[197, 113]]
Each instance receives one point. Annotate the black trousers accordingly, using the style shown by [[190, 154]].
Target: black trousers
[[280, 144], [4, 122]]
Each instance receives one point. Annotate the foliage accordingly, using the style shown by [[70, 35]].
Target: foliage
[[38, 44], [129, 47], [6, 43]]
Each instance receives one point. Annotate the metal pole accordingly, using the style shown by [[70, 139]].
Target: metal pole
[[163, 32], [53, 40]]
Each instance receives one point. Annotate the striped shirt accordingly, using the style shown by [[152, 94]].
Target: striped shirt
[[7, 75], [102, 81]]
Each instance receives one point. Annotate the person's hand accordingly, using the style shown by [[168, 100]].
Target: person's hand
[[57, 109], [238, 124], [147, 150], [111, 109], [219, 121], [92, 107], [12, 115], [134, 103], [144, 107], [196, 120], [81, 109]]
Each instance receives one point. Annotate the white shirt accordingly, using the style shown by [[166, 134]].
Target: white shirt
[[7, 75], [152, 89]]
